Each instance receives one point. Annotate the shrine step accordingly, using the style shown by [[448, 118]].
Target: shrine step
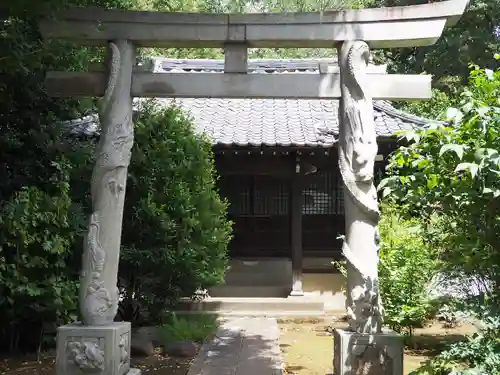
[[256, 291], [254, 306]]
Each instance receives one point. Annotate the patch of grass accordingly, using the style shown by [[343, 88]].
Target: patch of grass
[[193, 327]]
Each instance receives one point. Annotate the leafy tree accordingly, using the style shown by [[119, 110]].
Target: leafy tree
[[453, 171], [175, 231], [406, 269], [37, 231]]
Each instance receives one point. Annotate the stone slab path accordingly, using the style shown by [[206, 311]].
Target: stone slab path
[[242, 346]]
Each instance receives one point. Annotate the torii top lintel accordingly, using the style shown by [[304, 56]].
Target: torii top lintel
[[404, 26]]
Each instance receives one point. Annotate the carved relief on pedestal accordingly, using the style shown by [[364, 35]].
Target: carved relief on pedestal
[[124, 347], [371, 360], [86, 354], [357, 152]]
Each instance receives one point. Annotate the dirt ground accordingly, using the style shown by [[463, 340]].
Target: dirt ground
[[156, 364], [307, 344]]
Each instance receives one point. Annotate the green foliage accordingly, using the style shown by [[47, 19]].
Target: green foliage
[[39, 222], [478, 355], [433, 109], [481, 351], [37, 230], [407, 267], [175, 231], [193, 327], [453, 171]]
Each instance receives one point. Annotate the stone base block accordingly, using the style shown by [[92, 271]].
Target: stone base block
[[297, 290], [99, 350], [367, 354]]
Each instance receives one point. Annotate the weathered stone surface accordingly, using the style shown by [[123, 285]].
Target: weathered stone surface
[[372, 361], [103, 350], [392, 27], [98, 290], [186, 349], [242, 346], [357, 153], [367, 354], [256, 86]]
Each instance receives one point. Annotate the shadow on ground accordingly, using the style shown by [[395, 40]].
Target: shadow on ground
[[244, 346]]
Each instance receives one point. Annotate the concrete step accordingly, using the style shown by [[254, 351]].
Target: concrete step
[[253, 306], [256, 279], [255, 291]]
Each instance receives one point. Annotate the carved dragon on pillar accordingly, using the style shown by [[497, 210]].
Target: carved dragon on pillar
[[357, 152], [98, 291]]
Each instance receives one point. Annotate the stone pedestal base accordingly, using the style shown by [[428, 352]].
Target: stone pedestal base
[[365, 354], [297, 289], [100, 350]]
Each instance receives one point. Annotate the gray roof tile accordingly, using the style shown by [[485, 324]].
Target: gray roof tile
[[271, 122], [282, 122]]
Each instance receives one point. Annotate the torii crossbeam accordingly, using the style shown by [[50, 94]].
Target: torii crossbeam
[[405, 26], [102, 346]]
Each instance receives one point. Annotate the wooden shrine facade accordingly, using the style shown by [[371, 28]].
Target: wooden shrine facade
[[285, 202]]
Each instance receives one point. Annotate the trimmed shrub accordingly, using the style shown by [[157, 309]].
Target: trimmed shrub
[[175, 231]]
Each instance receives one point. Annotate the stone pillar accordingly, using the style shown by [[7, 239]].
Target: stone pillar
[[362, 348], [98, 344]]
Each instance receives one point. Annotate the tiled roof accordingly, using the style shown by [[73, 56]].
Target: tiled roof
[[282, 122], [268, 122]]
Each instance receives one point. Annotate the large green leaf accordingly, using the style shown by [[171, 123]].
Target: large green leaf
[[456, 148]]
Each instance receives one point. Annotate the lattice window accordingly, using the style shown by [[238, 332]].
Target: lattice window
[[339, 195], [319, 195], [271, 196], [236, 189]]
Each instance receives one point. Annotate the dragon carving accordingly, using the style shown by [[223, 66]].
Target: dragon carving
[[357, 151], [87, 356], [99, 297], [98, 301]]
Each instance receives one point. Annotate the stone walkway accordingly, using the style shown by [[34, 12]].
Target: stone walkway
[[242, 346]]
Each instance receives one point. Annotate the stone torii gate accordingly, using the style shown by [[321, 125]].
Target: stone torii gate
[[99, 345]]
